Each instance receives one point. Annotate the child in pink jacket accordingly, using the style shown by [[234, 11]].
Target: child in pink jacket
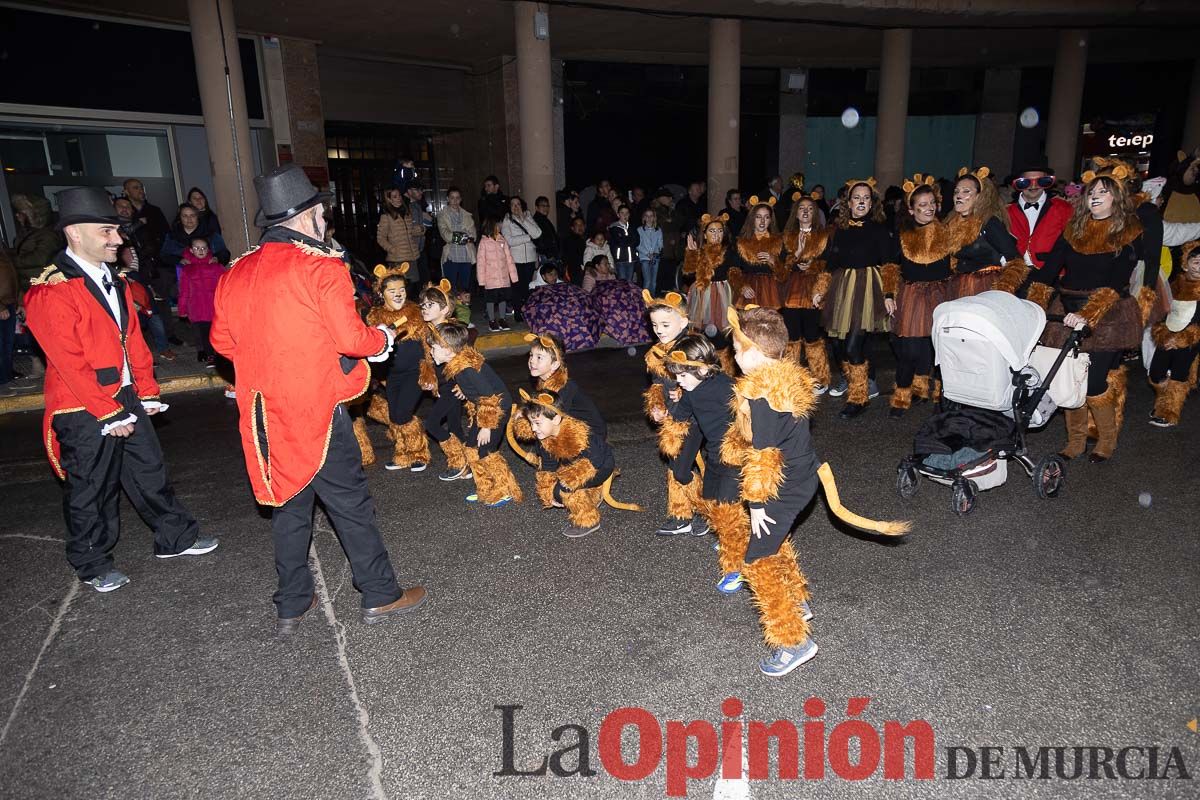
[[496, 272], [197, 290]]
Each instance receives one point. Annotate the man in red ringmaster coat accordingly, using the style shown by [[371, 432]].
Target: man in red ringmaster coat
[[100, 395], [1036, 218], [285, 317]]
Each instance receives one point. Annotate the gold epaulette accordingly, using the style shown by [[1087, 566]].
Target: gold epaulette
[[50, 276]]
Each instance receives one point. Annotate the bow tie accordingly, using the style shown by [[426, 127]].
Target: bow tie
[[854, 223], [107, 284], [1030, 205]]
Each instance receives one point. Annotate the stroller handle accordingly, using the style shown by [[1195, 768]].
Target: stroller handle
[[1083, 332]]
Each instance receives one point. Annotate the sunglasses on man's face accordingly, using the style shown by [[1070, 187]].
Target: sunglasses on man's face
[[1044, 182]]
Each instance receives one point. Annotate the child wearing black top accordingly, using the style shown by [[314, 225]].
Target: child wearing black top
[[701, 419], [548, 366], [574, 462], [770, 443], [488, 403]]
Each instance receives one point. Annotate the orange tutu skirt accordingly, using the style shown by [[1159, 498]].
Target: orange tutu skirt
[[969, 284], [915, 303], [768, 292]]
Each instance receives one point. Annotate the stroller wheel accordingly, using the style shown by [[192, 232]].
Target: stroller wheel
[[962, 499], [1049, 476], [907, 481]]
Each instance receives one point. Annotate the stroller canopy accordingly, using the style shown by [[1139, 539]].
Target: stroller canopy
[[1011, 324]]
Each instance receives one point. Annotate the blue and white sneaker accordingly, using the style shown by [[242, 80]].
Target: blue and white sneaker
[[674, 526], [699, 526], [731, 583], [805, 612], [785, 659], [108, 583], [503, 501], [205, 544]]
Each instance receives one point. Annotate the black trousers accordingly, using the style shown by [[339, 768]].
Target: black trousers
[[1103, 362], [802, 323], [203, 347], [98, 468], [449, 408], [520, 289], [1177, 362], [914, 356], [341, 486]]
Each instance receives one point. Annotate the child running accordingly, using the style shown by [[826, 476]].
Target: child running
[[702, 418], [770, 443], [488, 404]]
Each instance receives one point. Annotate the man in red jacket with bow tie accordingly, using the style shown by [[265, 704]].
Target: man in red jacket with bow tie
[[285, 317], [1036, 218], [100, 393]]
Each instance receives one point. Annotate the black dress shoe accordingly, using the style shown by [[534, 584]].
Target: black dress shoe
[[895, 413], [852, 410], [287, 626], [1096, 458]]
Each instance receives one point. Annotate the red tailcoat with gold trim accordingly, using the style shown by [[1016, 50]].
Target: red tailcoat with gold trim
[[285, 317], [85, 349]]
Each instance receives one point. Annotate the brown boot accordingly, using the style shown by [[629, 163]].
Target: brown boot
[[901, 401], [818, 362], [920, 388], [1104, 411], [858, 391], [1077, 423], [1168, 405]]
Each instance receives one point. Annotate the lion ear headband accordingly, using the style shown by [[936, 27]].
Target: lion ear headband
[[382, 271], [916, 182], [980, 174], [850, 184], [735, 323], [541, 399], [547, 343], [1119, 173], [678, 357], [754, 201], [671, 300]]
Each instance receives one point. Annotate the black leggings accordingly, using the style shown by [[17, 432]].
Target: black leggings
[[802, 323], [914, 356], [449, 408], [1176, 362], [853, 349], [1102, 363], [403, 395]]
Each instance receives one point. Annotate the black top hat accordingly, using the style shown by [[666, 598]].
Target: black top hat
[[85, 204], [283, 193]]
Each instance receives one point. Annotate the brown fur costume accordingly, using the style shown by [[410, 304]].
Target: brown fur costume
[[653, 398], [1012, 277], [703, 262], [364, 441], [902, 397], [1103, 409], [779, 587], [814, 278], [920, 387], [857, 380], [1169, 397], [770, 243], [455, 452], [682, 500], [818, 361], [493, 479], [731, 524], [1098, 237], [567, 447]]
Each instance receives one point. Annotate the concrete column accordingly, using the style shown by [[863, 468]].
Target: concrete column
[[560, 136], [223, 100], [895, 68], [724, 108], [1066, 101], [306, 115], [1191, 125], [996, 123], [535, 97], [793, 126]]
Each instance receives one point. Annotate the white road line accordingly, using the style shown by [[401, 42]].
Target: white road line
[[54, 626], [734, 788], [375, 773], [54, 539]]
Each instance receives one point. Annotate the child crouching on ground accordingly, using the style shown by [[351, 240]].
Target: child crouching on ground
[[701, 418], [770, 443], [574, 462], [488, 403]]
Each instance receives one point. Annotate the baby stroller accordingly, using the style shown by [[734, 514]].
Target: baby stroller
[[992, 397]]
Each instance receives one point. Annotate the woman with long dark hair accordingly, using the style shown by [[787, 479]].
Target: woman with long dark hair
[[1086, 276], [979, 223], [760, 256], [855, 309], [805, 240], [198, 200]]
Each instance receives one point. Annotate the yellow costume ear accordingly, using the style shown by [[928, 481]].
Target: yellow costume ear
[[545, 400], [674, 298], [753, 199], [403, 268], [524, 395], [962, 171], [723, 217], [400, 321], [796, 196], [679, 358], [929, 181], [647, 298], [444, 287], [1088, 176], [908, 186], [707, 218], [380, 270], [983, 172], [771, 201]]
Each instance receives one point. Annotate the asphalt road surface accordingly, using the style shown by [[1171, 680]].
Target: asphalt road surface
[[1031, 623]]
